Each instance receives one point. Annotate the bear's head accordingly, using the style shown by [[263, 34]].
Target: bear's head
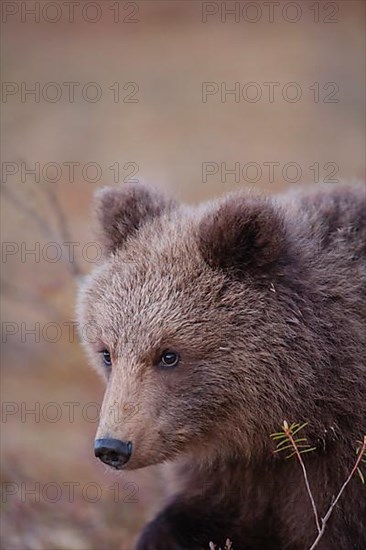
[[183, 321]]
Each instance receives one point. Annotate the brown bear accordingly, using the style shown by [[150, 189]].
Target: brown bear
[[212, 325]]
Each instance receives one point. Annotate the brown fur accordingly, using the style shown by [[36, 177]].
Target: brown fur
[[264, 300]]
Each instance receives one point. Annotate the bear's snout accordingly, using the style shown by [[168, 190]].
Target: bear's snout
[[113, 452]]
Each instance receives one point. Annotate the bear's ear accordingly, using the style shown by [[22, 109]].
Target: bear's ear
[[121, 211], [241, 233]]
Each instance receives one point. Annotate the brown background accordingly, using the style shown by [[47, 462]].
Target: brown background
[[168, 133]]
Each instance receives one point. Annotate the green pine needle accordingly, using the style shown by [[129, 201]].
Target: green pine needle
[[285, 440]]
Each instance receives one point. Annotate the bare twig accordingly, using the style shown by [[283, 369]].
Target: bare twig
[[47, 231], [361, 453], [63, 228], [290, 437], [26, 297], [30, 212], [288, 440]]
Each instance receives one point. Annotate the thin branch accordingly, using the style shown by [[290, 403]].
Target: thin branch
[[32, 213], [63, 228], [332, 506], [289, 434], [24, 297], [287, 440], [45, 228]]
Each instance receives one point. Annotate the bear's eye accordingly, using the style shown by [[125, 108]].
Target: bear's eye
[[106, 357], [169, 359]]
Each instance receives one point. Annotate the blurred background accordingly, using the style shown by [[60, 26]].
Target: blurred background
[[197, 98]]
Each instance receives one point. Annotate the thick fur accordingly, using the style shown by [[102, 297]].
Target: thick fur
[[264, 300]]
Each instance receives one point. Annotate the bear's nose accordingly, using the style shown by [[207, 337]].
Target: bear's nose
[[113, 452]]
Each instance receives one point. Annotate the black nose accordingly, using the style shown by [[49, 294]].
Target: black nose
[[113, 452]]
